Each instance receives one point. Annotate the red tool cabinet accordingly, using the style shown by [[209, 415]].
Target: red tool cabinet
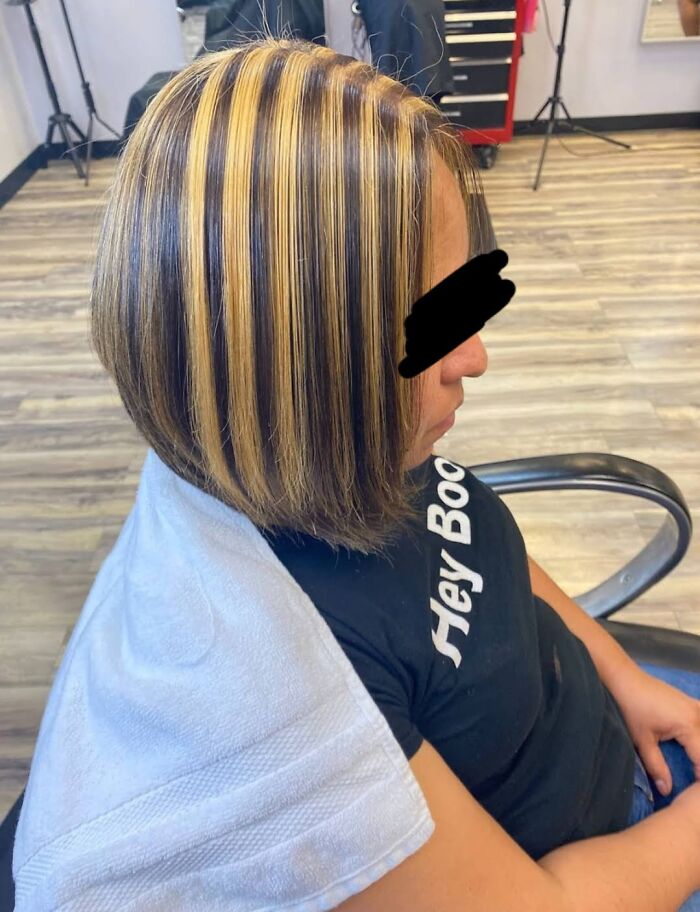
[[484, 42]]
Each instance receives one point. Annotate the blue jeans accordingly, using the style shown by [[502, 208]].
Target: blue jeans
[[647, 798]]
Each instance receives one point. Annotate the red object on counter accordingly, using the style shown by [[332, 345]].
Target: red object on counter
[[530, 14]]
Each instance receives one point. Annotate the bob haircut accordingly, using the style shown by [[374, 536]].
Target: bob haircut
[[267, 233]]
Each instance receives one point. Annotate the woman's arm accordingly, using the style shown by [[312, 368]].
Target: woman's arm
[[614, 666], [653, 710]]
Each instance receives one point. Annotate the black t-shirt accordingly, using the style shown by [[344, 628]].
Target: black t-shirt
[[453, 646]]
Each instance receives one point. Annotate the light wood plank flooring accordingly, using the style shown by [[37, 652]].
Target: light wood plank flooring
[[599, 351]]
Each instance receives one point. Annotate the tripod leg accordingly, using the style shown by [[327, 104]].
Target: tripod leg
[[565, 109], [46, 149], [550, 128], [537, 116], [615, 142], [78, 132], [71, 150], [84, 143], [89, 151], [591, 132]]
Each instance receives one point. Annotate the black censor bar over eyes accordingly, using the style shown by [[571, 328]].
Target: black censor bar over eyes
[[454, 310]]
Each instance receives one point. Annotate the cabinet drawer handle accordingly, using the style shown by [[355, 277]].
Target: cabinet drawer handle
[[468, 61], [469, 17], [489, 36], [456, 99]]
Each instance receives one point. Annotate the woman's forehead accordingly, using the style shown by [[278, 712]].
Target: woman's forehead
[[449, 216]]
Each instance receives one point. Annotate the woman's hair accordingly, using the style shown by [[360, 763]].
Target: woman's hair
[[267, 234]]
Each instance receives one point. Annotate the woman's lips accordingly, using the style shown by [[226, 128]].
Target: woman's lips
[[447, 423]]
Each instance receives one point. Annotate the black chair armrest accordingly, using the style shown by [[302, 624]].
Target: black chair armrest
[[657, 645], [621, 475]]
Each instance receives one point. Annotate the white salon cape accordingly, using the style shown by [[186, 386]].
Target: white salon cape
[[206, 745]]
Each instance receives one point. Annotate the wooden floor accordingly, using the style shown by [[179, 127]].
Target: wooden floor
[[598, 351]]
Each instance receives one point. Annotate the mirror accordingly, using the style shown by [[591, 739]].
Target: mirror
[[671, 20]]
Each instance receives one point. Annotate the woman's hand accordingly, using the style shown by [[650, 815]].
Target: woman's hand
[[655, 711]]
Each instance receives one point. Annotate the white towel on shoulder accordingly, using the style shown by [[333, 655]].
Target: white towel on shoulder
[[207, 746]]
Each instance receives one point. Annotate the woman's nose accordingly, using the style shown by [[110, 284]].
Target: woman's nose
[[470, 359]]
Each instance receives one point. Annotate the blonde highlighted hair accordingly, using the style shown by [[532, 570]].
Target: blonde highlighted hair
[[267, 233]]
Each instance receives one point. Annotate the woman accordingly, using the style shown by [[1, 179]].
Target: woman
[[277, 212]]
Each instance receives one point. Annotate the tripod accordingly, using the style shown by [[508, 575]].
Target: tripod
[[556, 101], [87, 94], [59, 119]]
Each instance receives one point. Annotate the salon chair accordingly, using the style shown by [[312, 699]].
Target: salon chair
[[672, 648]]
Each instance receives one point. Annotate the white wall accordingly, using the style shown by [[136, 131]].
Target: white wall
[[17, 128], [607, 70], [121, 44]]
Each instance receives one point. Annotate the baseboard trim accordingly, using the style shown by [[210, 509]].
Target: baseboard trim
[[16, 179], [689, 120]]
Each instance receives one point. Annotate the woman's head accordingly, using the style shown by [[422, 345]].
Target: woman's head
[[269, 228], [442, 389]]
